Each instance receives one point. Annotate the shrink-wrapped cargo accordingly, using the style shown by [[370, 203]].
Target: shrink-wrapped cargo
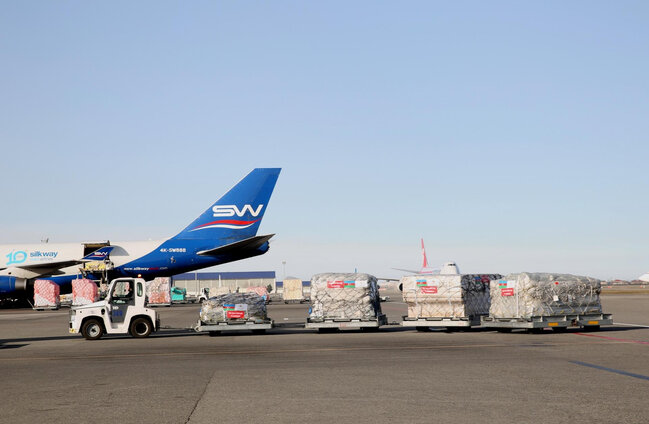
[[158, 291], [344, 296], [293, 290], [447, 296], [527, 295], [84, 292], [233, 306], [260, 290], [46, 294]]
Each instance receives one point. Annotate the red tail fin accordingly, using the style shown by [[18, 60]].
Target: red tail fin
[[423, 254]]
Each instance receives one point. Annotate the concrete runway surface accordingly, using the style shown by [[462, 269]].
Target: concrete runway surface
[[296, 375]]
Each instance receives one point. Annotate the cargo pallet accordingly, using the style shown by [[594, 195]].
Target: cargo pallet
[[256, 326], [462, 322], [349, 324], [46, 308], [560, 322]]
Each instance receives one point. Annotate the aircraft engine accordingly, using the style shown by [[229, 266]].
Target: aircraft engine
[[9, 284]]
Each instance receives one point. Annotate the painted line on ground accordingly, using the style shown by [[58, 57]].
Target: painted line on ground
[[615, 339], [631, 325], [613, 370]]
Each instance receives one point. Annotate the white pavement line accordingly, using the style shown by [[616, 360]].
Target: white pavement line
[[631, 325]]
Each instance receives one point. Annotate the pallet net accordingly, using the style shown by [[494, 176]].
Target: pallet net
[[527, 295], [447, 296], [233, 307], [46, 294], [84, 292], [344, 296]]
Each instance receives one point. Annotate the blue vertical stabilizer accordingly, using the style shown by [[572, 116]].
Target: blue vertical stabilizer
[[238, 214]]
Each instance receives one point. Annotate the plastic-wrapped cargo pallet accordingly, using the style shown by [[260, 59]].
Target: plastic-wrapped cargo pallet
[[344, 296], [84, 292], [159, 291], [447, 296], [527, 295], [260, 290], [233, 306], [292, 290], [46, 294]]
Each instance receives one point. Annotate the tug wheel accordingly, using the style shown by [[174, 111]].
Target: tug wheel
[[92, 329]]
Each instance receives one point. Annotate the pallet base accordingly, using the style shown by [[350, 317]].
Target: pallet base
[[346, 324], [440, 322], [562, 321], [234, 326]]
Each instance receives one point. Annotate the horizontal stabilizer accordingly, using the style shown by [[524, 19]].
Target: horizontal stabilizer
[[407, 270], [248, 244]]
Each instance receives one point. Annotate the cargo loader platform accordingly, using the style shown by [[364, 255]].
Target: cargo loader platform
[[346, 324], [256, 326], [559, 322], [462, 322]]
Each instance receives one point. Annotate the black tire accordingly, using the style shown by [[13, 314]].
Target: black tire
[[92, 329], [140, 327]]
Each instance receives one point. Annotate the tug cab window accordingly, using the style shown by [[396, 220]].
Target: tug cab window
[[122, 292]]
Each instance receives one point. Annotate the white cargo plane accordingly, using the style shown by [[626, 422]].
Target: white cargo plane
[[225, 232]]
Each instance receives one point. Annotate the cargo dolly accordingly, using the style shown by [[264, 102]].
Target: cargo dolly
[[423, 323], [257, 326], [556, 322], [332, 324]]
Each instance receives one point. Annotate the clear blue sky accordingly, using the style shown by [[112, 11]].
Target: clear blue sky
[[511, 136]]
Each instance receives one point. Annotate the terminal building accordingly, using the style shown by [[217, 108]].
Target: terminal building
[[194, 282]]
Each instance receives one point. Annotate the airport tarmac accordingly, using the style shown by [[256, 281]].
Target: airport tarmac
[[297, 375]]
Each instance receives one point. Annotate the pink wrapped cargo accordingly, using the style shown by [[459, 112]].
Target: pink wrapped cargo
[[260, 290], [159, 291], [84, 292], [46, 294]]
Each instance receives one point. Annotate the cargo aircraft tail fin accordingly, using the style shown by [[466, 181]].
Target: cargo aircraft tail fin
[[238, 214]]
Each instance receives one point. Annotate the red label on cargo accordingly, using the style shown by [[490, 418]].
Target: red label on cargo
[[236, 314], [429, 290], [335, 284], [507, 292]]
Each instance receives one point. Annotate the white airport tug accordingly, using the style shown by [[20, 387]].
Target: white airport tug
[[123, 311]]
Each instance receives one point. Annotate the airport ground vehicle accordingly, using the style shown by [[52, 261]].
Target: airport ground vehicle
[[205, 294], [123, 311]]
